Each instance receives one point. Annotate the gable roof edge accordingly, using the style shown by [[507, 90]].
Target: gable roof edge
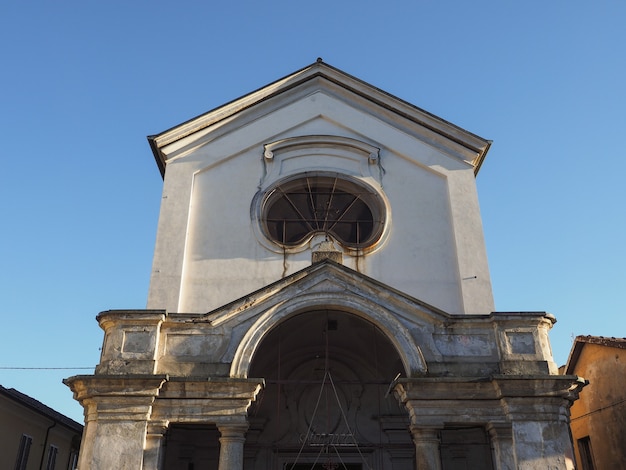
[[581, 341], [417, 115], [40, 408]]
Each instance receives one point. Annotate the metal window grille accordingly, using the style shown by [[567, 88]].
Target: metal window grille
[[22, 454]]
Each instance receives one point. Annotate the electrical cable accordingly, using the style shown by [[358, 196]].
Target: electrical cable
[[45, 368]]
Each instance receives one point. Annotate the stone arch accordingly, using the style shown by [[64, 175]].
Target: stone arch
[[327, 374], [394, 330]]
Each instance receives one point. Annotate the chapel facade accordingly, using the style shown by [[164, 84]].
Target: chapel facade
[[320, 298]]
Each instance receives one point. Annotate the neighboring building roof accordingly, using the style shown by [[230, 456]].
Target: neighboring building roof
[[438, 128], [40, 408], [581, 341]]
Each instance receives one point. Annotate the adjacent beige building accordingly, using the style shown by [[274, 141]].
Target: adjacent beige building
[[320, 298], [599, 417], [33, 436]]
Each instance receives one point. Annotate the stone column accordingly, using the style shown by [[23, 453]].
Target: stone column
[[501, 435], [154, 452], [231, 446], [427, 455]]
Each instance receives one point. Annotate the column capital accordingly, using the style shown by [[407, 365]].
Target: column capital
[[500, 430], [425, 433], [158, 428], [232, 430]]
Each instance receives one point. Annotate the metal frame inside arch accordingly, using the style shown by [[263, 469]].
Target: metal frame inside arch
[[333, 205]]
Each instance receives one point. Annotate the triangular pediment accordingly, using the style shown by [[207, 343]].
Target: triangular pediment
[[333, 87], [329, 285], [326, 286]]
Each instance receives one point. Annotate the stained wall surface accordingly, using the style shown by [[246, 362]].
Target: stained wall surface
[[24, 420], [598, 419]]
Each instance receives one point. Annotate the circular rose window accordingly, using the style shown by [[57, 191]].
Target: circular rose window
[[349, 212]]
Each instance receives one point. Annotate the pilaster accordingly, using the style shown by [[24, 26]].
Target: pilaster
[[117, 410], [154, 452], [501, 435]]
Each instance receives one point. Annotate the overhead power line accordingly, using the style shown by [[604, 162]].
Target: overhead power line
[[44, 368]]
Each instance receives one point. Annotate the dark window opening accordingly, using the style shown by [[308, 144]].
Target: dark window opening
[[73, 462], [22, 453], [347, 211], [586, 457], [52, 457]]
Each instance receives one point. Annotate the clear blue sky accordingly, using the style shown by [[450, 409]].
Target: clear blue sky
[[84, 83]]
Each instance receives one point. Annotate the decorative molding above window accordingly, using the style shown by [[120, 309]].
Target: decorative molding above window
[[320, 141], [293, 155]]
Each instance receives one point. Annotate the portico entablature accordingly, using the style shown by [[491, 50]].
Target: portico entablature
[[127, 416], [223, 342]]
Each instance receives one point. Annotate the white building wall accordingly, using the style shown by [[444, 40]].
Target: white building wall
[[208, 252]]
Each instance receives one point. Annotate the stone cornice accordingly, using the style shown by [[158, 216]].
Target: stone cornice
[[487, 388]]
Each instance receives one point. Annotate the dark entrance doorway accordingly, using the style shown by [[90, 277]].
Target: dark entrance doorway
[[465, 447], [192, 447], [327, 375]]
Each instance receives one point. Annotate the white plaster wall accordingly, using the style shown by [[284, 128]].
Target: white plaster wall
[[207, 253], [223, 259]]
